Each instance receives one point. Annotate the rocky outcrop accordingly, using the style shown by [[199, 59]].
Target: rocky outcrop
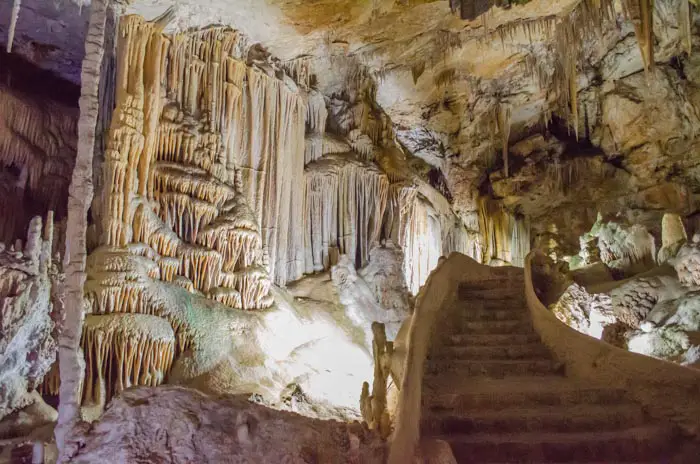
[[585, 312], [178, 425], [687, 263], [28, 293]]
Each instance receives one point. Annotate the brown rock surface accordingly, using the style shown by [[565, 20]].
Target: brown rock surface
[[177, 425]]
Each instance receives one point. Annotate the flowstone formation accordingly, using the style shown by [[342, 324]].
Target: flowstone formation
[[220, 178], [169, 183]]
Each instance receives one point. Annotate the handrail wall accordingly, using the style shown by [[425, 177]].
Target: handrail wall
[[433, 302], [667, 390]]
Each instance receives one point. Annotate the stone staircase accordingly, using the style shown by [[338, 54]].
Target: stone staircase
[[494, 393]]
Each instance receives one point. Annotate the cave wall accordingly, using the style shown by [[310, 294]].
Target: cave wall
[[221, 176], [38, 135]]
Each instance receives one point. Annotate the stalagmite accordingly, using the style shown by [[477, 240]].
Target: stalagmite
[[374, 406], [28, 281], [80, 197]]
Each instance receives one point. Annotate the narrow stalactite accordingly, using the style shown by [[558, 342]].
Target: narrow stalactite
[[641, 13], [506, 237], [573, 95], [344, 203], [685, 15], [503, 116], [124, 350], [13, 24], [79, 199]]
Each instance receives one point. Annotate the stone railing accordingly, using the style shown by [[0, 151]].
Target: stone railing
[[374, 407], [667, 390], [433, 305]]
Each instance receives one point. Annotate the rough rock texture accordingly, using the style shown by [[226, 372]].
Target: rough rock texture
[[585, 312], [49, 34], [232, 165], [673, 237], [178, 425], [656, 313], [361, 301], [384, 275], [27, 338], [634, 300], [687, 263]]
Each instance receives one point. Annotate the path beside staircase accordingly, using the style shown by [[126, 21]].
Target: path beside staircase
[[494, 393]]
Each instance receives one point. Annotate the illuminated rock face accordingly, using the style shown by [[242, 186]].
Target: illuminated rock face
[[169, 172], [28, 288]]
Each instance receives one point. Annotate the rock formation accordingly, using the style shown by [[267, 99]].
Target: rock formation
[[28, 316], [236, 431], [274, 182], [653, 313]]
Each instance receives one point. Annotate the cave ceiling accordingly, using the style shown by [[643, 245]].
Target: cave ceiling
[[444, 81]]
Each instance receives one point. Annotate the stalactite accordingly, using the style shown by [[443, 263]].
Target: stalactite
[[344, 207], [299, 70], [316, 115], [685, 23], [182, 144], [13, 24], [124, 350], [503, 118], [641, 13], [402, 196], [37, 151], [252, 286], [506, 237], [573, 95], [423, 244], [272, 160], [584, 22]]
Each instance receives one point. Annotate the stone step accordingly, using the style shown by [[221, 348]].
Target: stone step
[[633, 444], [441, 393], [566, 418], [494, 314], [495, 282], [492, 339], [492, 368], [534, 350], [509, 326], [512, 293]]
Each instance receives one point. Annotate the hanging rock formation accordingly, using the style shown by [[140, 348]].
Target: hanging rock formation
[[38, 135]]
